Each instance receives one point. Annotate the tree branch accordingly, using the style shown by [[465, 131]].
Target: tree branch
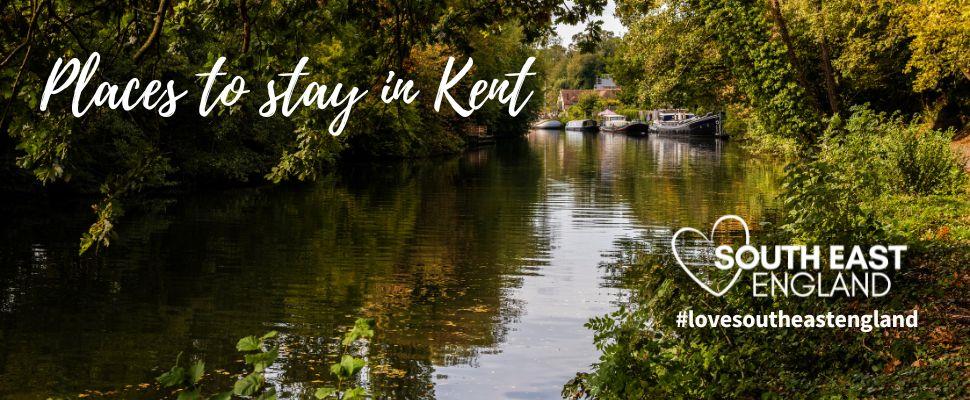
[[15, 90], [244, 14], [830, 88], [156, 30]]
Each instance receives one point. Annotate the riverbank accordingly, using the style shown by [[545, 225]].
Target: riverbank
[[872, 178]]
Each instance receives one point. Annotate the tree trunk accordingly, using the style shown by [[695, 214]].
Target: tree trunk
[[830, 89], [786, 39], [156, 30], [244, 14]]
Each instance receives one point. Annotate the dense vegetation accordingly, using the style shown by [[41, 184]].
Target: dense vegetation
[[865, 98], [578, 67], [781, 67], [118, 154], [875, 181], [575, 67]]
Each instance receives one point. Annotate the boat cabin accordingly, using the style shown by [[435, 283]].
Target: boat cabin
[[670, 115], [614, 118], [610, 119], [582, 125]]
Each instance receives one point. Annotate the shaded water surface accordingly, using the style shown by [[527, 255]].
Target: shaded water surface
[[480, 270]]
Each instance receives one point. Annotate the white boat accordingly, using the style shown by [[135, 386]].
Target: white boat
[[585, 125], [548, 124], [616, 123], [612, 120]]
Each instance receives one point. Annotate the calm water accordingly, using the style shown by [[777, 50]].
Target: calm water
[[480, 269]]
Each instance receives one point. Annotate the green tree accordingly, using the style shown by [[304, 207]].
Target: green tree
[[121, 154], [783, 66]]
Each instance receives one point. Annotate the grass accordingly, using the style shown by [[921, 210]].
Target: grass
[[925, 218]]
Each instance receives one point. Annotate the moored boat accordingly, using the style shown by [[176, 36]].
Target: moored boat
[[611, 120], [682, 122], [633, 128], [584, 125], [617, 123], [548, 124]]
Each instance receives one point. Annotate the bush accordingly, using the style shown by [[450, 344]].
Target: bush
[[586, 107], [745, 126], [873, 179], [927, 164], [862, 162], [645, 355], [629, 112]]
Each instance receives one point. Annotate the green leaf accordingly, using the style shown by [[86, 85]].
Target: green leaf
[[349, 366], [260, 361], [268, 335], [221, 396], [171, 378], [249, 385], [190, 395], [336, 370], [324, 392], [362, 330], [195, 372], [355, 393], [248, 343]]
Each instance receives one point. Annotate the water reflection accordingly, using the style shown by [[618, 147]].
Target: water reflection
[[480, 269]]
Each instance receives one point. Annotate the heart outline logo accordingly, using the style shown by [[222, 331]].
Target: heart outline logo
[[737, 273]]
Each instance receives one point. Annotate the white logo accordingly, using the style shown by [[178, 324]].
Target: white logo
[[798, 270], [737, 273]]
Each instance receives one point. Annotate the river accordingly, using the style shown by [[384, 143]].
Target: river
[[480, 269]]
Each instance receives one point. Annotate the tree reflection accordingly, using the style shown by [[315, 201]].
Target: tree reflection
[[431, 249]]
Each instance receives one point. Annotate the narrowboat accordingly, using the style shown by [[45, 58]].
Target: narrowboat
[[584, 125]]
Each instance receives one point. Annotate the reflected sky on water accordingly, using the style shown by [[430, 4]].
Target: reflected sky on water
[[480, 269]]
